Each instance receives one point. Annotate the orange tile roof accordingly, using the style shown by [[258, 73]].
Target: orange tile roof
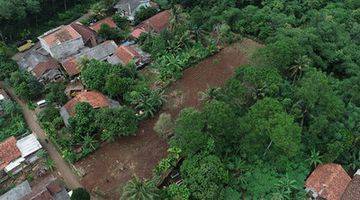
[[71, 66], [95, 99], [157, 23], [63, 34], [136, 33], [42, 67], [126, 54], [8, 152], [329, 181], [96, 26]]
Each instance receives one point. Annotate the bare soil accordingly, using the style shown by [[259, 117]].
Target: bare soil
[[110, 167]]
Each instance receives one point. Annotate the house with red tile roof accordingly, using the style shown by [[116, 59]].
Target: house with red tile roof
[[108, 21], [156, 24], [100, 52], [95, 99], [129, 53], [14, 153], [8, 152], [62, 41], [327, 181]]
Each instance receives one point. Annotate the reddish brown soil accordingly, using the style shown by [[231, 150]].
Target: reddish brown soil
[[110, 167]]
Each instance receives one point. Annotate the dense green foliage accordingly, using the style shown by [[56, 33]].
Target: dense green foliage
[[144, 13], [24, 19], [295, 107], [12, 122], [80, 194]]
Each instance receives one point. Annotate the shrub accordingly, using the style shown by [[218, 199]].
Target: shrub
[[164, 126], [80, 194]]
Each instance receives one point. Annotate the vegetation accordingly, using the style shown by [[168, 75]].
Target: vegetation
[[28, 19], [12, 122], [291, 110], [80, 194], [144, 13], [137, 189]]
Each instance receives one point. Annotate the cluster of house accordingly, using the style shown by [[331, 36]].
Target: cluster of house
[[49, 188], [331, 182], [16, 154], [61, 49]]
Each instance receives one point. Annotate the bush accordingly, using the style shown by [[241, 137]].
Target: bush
[[80, 194], [144, 13], [164, 126]]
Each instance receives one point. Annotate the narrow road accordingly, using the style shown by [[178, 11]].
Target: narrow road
[[61, 165]]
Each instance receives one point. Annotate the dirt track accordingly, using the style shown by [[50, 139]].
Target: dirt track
[[110, 167], [61, 165]]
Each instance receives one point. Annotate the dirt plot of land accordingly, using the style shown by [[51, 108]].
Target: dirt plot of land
[[110, 167]]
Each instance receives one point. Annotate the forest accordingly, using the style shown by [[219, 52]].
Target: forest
[[296, 106]]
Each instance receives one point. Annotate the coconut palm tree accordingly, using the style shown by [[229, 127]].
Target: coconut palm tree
[[315, 158], [137, 189]]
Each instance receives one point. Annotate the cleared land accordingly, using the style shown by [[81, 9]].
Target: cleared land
[[110, 167]]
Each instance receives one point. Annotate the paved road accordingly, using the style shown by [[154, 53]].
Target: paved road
[[61, 165]]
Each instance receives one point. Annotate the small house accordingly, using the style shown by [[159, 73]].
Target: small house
[[89, 36], [100, 52], [108, 21], [17, 154], [128, 53], [18, 192], [62, 41], [155, 24], [42, 66], [95, 99], [327, 181], [128, 8]]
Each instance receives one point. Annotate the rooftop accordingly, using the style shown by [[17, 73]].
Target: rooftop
[[43, 67], [126, 54], [95, 99], [352, 191], [17, 192], [156, 23], [99, 52], [59, 35], [28, 145], [85, 32], [328, 181], [96, 26], [8, 152]]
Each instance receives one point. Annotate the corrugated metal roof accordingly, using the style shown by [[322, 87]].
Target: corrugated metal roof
[[28, 145], [17, 192]]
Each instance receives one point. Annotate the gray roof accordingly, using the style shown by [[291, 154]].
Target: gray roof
[[17, 192], [31, 59], [99, 52], [131, 6]]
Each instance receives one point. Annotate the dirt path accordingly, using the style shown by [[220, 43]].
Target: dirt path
[[61, 165], [110, 167]]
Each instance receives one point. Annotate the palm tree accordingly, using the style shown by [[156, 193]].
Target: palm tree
[[136, 189], [89, 141], [298, 69], [315, 158]]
